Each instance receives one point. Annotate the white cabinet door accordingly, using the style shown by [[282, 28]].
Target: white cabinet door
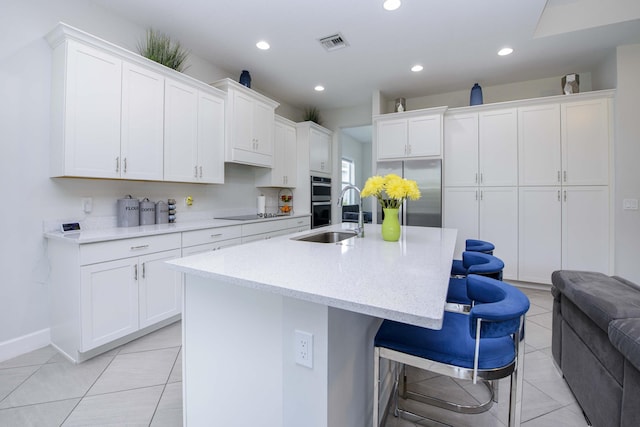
[[91, 129], [461, 212], [108, 301], [160, 289], [263, 120], [290, 157], [540, 233], [585, 229], [461, 150], [498, 224], [585, 142], [243, 138], [319, 151], [141, 152], [498, 147], [210, 139], [424, 136], [181, 132], [391, 137], [285, 158], [539, 145]]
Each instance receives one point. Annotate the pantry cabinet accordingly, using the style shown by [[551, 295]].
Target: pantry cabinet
[[550, 161], [194, 135], [249, 125], [406, 135], [489, 213], [285, 157]]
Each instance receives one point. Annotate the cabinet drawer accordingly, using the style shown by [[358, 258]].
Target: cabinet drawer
[[269, 226], [208, 247], [117, 249], [210, 235]]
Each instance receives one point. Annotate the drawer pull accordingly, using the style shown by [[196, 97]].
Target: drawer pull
[[213, 236], [136, 248]]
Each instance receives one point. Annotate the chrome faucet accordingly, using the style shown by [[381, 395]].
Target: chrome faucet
[[360, 229]]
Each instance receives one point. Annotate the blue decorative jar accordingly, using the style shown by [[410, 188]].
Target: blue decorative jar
[[245, 78], [476, 95]]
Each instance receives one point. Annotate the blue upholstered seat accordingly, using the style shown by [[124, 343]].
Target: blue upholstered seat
[[472, 263], [498, 312], [471, 245]]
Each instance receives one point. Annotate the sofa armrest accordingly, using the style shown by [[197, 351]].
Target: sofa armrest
[[624, 334]]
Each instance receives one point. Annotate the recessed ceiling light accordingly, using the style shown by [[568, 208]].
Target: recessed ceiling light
[[319, 88], [262, 45], [416, 68], [505, 51], [391, 4]]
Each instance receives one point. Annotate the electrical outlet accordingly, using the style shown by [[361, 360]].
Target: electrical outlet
[[630, 204], [87, 204], [304, 348]]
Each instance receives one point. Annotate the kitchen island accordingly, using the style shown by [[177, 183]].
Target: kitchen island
[[244, 305]]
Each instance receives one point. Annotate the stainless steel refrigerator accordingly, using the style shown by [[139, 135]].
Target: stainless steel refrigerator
[[426, 211]]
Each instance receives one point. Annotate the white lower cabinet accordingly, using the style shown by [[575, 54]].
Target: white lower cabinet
[[487, 213], [159, 288], [268, 229], [563, 228], [210, 239]]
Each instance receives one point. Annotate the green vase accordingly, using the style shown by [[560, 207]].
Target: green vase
[[390, 225]]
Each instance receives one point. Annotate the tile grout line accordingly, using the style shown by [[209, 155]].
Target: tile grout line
[[164, 388]]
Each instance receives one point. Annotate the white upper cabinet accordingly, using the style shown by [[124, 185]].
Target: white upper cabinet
[[113, 111], [461, 150], [409, 134], [481, 148], [194, 132], [498, 147], [540, 160], [249, 125], [86, 101], [142, 133], [585, 142], [285, 166], [319, 140]]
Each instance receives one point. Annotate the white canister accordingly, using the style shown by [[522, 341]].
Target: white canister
[[162, 212], [147, 212], [128, 212], [261, 205]]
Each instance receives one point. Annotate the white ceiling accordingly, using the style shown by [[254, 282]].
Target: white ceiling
[[455, 40]]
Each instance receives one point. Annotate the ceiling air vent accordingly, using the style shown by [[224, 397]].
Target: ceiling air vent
[[333, 42]]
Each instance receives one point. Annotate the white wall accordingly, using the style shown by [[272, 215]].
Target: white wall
[[30, 196], [627, 155]]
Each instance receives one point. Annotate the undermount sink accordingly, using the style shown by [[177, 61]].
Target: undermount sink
[[327, 236]]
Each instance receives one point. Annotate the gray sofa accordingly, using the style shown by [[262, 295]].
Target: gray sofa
[[596, 344]]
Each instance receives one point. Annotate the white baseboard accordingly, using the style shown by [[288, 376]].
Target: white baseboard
[[24, 344]]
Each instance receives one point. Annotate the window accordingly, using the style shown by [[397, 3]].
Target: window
[[348, 178]]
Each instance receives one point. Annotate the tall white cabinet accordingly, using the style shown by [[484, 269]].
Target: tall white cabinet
[[285, 157], [319, 140], [533, 178], [480, 177]]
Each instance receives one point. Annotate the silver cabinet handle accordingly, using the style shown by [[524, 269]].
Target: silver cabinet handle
[[558, 176], [135, 272], [481, 178], [213, 236], [476, 177], [136, 248], [565, 195], [200, 171], [195, 171], [476, 195], [117, 164], [143, 270], [481, 194], [125, 165], [558, 195], [565, 176]]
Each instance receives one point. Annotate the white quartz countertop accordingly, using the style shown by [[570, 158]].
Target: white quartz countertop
[[116, 233], [405, 281]]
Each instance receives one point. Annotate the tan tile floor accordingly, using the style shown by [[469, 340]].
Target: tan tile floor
[[139, 384]]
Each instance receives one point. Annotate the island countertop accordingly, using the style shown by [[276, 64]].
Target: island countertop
[[404, 281]]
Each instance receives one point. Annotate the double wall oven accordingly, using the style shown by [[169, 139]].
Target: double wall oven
[[320, 201]]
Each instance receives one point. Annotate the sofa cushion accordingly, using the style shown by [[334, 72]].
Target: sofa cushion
[[601, 297], [625, 336]]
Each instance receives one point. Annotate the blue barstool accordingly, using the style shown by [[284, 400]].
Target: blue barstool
[[472, 263], [484, 344], [471, 245]]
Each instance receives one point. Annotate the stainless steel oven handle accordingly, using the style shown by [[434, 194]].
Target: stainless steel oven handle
[[321, 184], [320, 203]]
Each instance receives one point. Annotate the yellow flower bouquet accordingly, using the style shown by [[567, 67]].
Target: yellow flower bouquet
[[391, 190]]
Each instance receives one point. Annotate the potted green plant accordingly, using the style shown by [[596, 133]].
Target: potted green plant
[[160, 48]]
